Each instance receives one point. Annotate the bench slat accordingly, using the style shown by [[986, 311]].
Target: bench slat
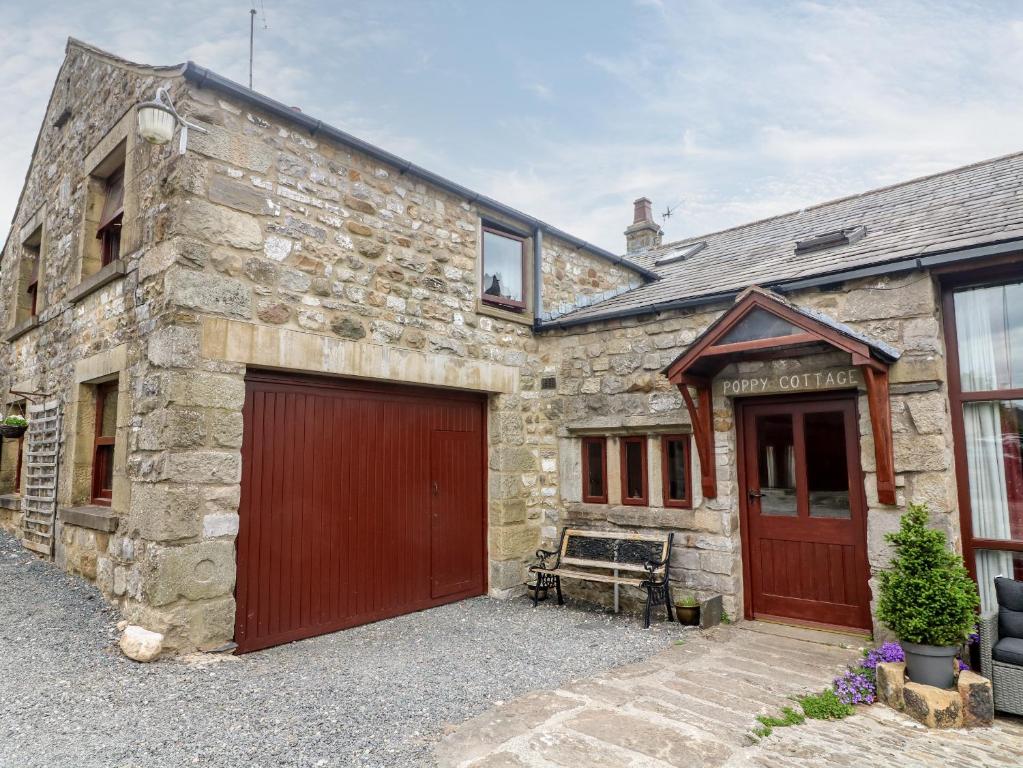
[[591, 576], [662, 537], [604, 564]]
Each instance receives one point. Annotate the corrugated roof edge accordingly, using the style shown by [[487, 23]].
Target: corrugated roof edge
[[203, 77], [935, 258]]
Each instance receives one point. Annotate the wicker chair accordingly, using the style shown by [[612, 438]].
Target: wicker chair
[[1006, 679]]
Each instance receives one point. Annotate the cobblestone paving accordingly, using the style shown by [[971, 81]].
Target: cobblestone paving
[[694, 705]]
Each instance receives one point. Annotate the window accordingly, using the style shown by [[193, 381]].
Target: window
[[985, 326], [595, 470], [28, 283], [109, 229], [634, 481], [103, 444], [504, 268], [675, 471]]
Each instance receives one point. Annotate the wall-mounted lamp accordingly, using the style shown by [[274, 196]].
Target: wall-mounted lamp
[[157, 119]]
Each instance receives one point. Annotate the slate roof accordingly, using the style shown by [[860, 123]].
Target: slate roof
[[976, 204]]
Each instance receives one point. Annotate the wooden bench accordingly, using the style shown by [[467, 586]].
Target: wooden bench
[[612, 557]]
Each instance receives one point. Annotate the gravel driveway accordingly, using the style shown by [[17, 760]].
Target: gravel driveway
[[378, 695]]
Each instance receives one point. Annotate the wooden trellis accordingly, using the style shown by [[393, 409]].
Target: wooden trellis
[[42, 453]]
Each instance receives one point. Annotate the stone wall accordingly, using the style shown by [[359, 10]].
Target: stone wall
[[609, 382]]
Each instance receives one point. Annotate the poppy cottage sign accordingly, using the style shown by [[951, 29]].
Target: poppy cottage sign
[[772, 382]]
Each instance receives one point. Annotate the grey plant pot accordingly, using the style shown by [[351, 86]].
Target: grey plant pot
[[931, 664]]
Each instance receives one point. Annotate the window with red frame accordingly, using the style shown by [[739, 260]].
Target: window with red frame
[[595, 470], [675, 471], [103, 443], [634, 475]]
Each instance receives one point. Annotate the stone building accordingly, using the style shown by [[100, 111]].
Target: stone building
[[282, 382]]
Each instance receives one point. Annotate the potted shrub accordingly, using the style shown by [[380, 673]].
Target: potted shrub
[[687, 610], [13, 426], [927, 599]]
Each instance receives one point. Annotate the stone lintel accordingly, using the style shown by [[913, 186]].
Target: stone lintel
[[625, 425], [289, 349], [93, 517], [101, 364], [111, 272], [21, 328]]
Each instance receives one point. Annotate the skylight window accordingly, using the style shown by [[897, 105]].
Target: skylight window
[[685, 253], [831, 239]]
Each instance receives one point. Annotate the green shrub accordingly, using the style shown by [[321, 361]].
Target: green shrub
[[824, 706], [687, 601], [16, 421], [927, 595]]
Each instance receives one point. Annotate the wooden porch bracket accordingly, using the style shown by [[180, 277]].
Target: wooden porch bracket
[[701, 414], [881, 425]]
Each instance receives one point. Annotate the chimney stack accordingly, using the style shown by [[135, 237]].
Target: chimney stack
[[643, 232]]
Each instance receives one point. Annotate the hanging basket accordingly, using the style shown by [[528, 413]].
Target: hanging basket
[[11, 432]]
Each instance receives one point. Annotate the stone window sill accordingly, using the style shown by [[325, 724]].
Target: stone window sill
[[522, 318], [10, 501], [22, 328], [92, 517], [115, 270]]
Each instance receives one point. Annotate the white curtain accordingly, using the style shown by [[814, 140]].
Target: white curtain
[[978, 315]]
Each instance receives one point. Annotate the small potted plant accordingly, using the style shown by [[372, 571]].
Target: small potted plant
[[687, 610], [927, 599], [13, 426]]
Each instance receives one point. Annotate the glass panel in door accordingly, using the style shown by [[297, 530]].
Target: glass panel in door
[[827, 466], [776, 462]]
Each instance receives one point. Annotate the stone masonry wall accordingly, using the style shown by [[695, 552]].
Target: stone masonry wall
[[92, 101], [609, 382]]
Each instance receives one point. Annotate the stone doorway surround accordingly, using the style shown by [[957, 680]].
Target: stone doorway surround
[[694, 705]]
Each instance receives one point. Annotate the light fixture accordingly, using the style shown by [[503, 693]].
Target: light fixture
[[158, 117]]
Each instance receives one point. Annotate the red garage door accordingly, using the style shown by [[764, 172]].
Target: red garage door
[[359, 502]]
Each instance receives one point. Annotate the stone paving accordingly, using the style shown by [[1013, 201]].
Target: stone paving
[[694, 705]]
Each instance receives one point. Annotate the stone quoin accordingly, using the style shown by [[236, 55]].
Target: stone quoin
[[273, 361]]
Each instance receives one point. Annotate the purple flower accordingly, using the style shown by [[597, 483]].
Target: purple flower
[[963, 666], [855, 687], [888, 652]]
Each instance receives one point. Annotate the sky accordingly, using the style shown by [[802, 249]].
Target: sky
[[725, 112]]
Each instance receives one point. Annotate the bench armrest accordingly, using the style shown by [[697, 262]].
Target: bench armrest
[[542, 555], [988, 624], [652, 566]]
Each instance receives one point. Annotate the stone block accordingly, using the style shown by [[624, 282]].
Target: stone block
[[174, 347], [165, 511], [218, 225], [226, 428], [172, 428], [928, 413], [934, 707], [711, 611], [506, 574], [208, 292], [239, 196], [191, 571], [204, 466], [921, 453], [916, 369], [978, 699], [187, 626], [208, 390], [220, 524], [232, 147], [891, 682], [513, 541], [140, 644]]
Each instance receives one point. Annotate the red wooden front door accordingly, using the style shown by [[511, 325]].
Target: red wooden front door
[[804, 511], [359, 502]]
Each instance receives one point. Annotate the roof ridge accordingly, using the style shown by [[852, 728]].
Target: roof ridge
[[835, 201]]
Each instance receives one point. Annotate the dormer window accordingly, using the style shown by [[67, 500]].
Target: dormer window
[[830, 240], [504, 268], [109, 230]]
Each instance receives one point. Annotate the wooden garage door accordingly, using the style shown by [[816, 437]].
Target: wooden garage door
[[359, 502]]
